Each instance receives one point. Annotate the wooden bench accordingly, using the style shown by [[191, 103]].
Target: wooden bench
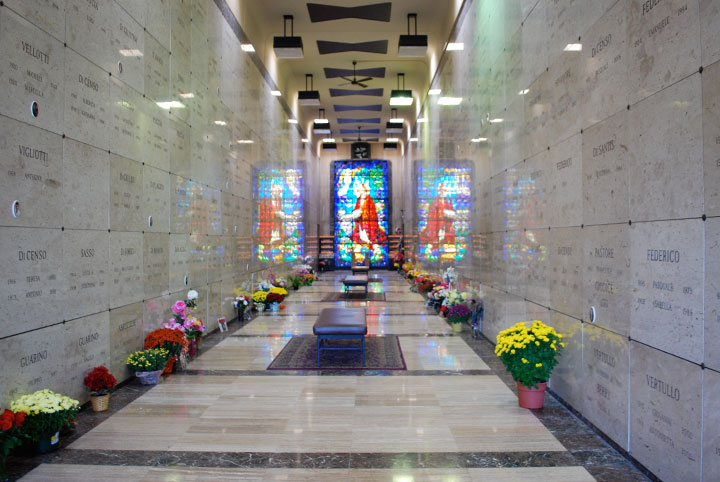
[[356, 280], [340, 323]]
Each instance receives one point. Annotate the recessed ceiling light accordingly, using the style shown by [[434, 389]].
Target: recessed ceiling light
[[328, 140], [130, 53], [422, 120], [413, 139], [496, 121], [247, 47], [292, 121], [434, 91], [449, 100], [173, 104], [455, 46], [245, 141], [322, 121], [392, 139], [397, 119], [305, 141], [479, 139], [524, 91], [276, 93], [188, 95], [220, 123], [573, 47]]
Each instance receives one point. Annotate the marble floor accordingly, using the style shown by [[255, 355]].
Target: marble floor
[[452, 416]]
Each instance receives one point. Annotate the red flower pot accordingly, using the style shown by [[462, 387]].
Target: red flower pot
[[530, 397]]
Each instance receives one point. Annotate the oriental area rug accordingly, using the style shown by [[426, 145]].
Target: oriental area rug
[[381, 353], [354, 296]]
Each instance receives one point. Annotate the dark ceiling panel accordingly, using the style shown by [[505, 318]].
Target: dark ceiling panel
[[331, 73], [354, 139], [344, 92], [345, 108], [374, 47], [361, 131], [374, 120], [379, 12]]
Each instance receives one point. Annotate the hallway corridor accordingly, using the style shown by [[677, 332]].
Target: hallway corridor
[[450, 417]]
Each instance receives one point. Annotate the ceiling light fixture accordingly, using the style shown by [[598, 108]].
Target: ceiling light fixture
[[328, 140], [390, 146], [309, 96], [172, 104], [479, 139], [573, 47], [329, 144], [305, 141], [392, 139], [276, 93], [434, 91], [395, 125], [413, 139], [321, 125], [220, 123], [524, 91], [288, 47], [412, 45], [422, 120], [455, 46], [293, 121], [449, 100], [401, 96], [247, 47], [496, 120], [188, 95]]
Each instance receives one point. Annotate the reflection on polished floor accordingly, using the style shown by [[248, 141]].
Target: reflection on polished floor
[[449, 417]]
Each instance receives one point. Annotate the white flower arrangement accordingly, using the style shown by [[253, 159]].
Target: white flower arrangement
[[192, 295]]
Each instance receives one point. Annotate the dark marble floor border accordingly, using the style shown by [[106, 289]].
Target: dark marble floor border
[[338, 373], [291, 460], [285, 335]]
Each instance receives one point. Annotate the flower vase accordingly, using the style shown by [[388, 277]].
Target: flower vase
[[241, 313], [192, 348], [100, 403], [47, 443], [149, 378], [274, 307], [260, 307], [531, 397]]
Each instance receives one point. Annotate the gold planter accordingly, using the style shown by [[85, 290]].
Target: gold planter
[[100, 403]]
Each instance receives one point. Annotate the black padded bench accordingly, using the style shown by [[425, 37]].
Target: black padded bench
[[356, 280], [340, 323]]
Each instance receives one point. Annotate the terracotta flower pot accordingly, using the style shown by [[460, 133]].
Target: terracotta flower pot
[[531, 397]]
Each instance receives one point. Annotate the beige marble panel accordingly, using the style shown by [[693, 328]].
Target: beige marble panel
[[31, 262], [199, 247], [665, 413], [126, 336], [605, 383], [604, 77], [157, 69], [87, 96], [534, 44], [216, 257], [666, 154], [88, 29], [567, 379], [667, 279], [48, 15], [157, 312], [181, 201], [180, 16], [31, 70], [605, 172], [136, 8], [86, 174], [606, 276], [156, 200], [126, 54], [536, 192], [565, 77], [32, 165], [158, 21], [126, 268], [85, 269], [536, 248], [126, 194], [156, 127], [711, 437], [156, 264], [566, 270], [214, 305], [179, 260], [87, 345], [568, 22], [538, 106], [33, 361], [179, 147], [711, 137], [565, 186], [214, 225], [663, 45], [127, 105], [710, 31], [712, 293]]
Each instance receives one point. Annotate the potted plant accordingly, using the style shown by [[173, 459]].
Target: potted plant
[[148, 365], [295, 281], [241, 303], [273, 300], [259, 298], [458, 315], [99, 381], [172, 340], [529, 354], [10, 435], [47, 413]]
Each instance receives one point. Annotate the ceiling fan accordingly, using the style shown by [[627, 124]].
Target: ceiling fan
[[354, 80]]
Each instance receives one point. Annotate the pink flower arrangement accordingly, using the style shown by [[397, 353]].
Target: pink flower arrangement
[[179, 307], [174, 325]]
